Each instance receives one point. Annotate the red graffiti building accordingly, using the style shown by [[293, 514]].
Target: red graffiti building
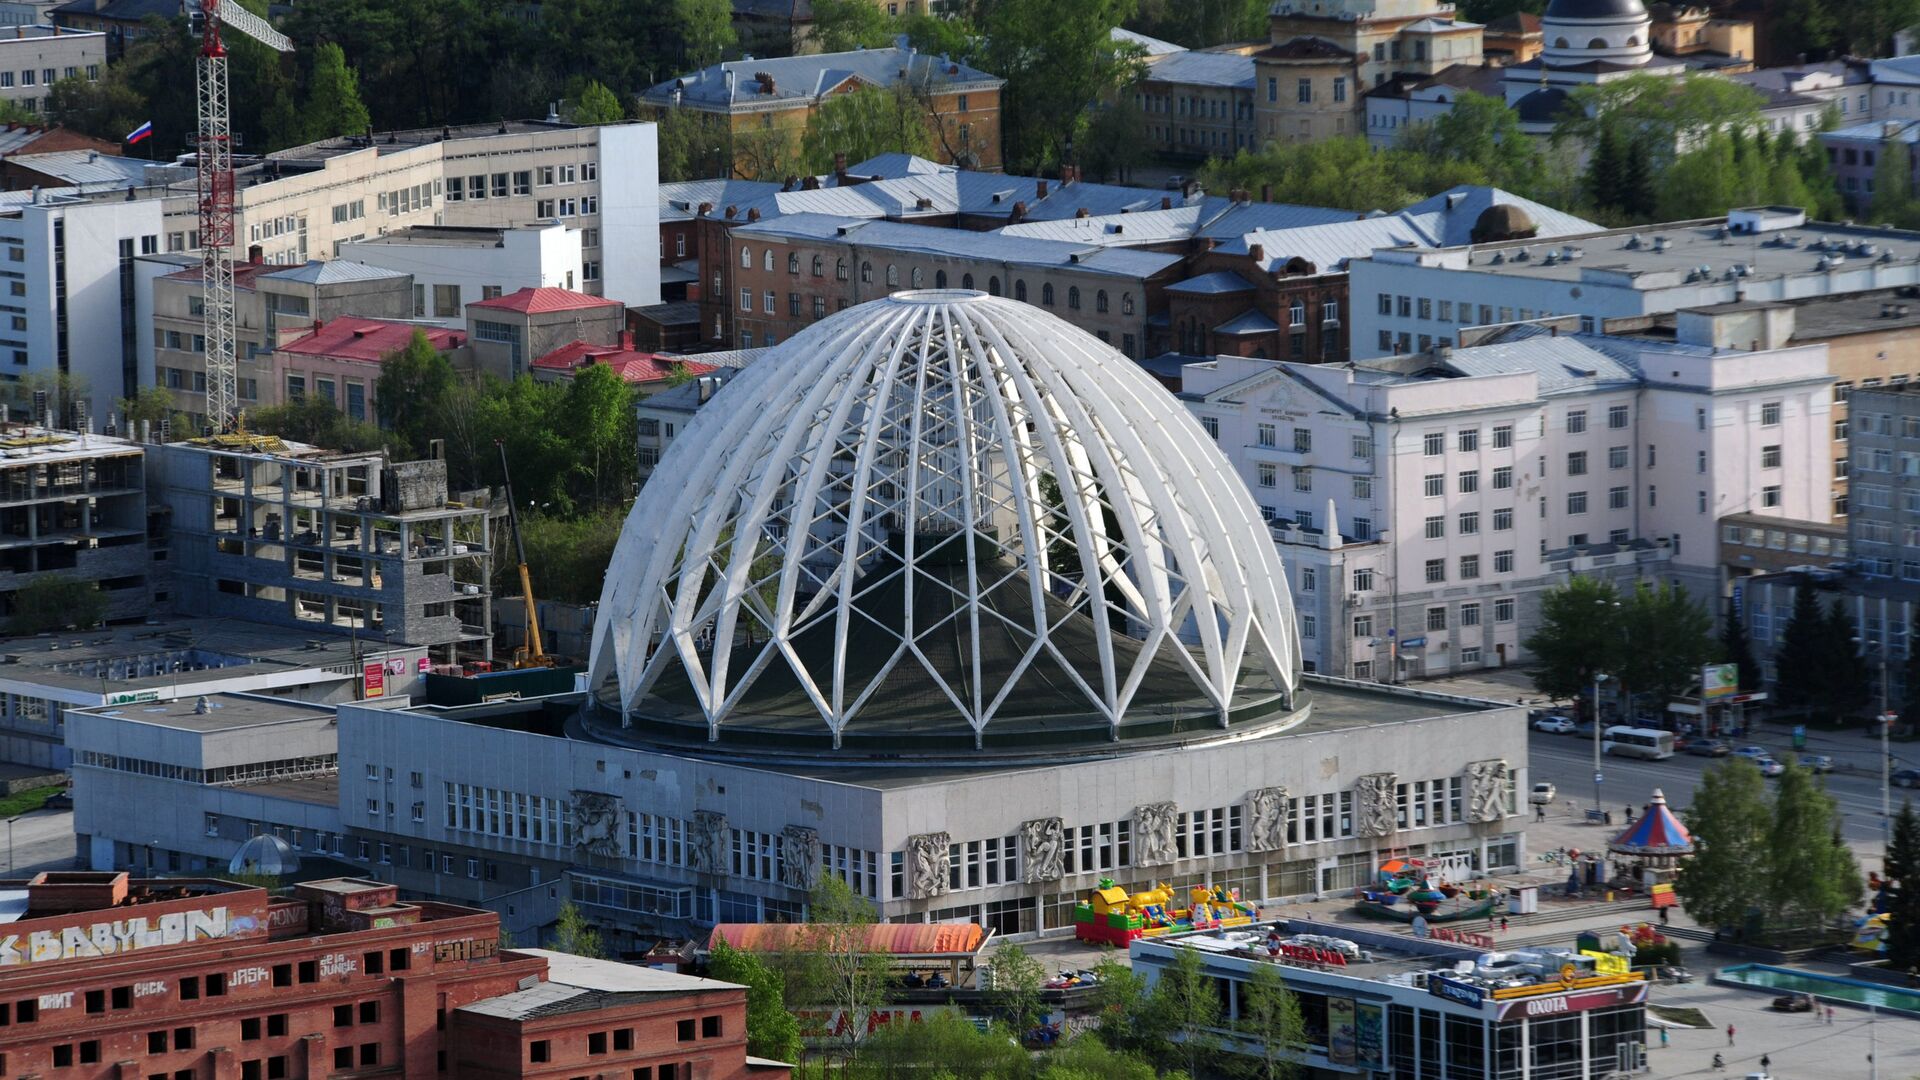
[[107, 978]]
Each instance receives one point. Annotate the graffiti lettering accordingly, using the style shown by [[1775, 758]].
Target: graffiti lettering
[[119, 936], [248, 976], [149, 989], [338, 964], [57, 1001], [465, 949]]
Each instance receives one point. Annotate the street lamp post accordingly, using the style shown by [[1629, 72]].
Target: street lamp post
[[10, 822], [1885, 722], [1598, 678]]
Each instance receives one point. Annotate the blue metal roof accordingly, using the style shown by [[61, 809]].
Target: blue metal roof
[[1218, 282]]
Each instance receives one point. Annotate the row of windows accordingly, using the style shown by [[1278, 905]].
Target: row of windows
[[47, 76], [220, 776], [502, 185], [917, 279], [1798, 542], [1470, 613], [511, 815]]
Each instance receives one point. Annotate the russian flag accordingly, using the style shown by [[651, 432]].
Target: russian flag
[[140, 132]]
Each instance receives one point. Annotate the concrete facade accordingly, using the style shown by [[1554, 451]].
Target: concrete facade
[[74, 508], [455, 266], [340, 543], [33, 58]]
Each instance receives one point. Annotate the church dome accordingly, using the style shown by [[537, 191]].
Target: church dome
[[1595, 9], [1503, 221], [939, 523], [1575, 32]]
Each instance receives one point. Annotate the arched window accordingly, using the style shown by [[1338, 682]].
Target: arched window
[[1597, 43], [1632, 41], [966, 281], [918, 279], [819, 266], [1126, 303], [746, 258], [1020, 289], [1046, 294], [793, 262], [1073, 297], [993, 286], [768, 261], [1100, 301], [866, 273], [1559, 43], [893, 276], [939, 279], [840, 269]]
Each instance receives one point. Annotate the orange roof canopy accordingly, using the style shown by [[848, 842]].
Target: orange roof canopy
[[918, 940]]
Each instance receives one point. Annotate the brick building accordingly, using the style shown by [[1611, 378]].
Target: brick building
[[193, 979], [508, 332]]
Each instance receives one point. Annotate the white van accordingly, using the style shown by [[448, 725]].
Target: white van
[[1649, 743]]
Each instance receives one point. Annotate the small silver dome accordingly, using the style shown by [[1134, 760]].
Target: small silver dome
[[265, 854]]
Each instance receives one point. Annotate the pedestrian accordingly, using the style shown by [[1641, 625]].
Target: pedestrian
[[1539, 811], [1764, 1062], [1829, 1016], [1629, 813], [1663, 1038], [1663, 916], [1729, 1034], [1503, 924]]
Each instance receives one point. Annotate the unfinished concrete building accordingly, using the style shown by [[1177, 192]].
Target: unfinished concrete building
[[73, 506], [348, 543]]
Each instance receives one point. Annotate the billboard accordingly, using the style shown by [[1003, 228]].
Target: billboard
[[1369, 1028], [1719, 681], [1342, 1036]]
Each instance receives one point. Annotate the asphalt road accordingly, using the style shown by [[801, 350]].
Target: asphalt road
[[1566, 761]]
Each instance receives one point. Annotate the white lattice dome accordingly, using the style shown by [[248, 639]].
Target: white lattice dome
[[872, 541]]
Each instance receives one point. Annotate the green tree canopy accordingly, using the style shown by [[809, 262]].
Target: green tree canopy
[[1737, 648], [1343, 172], [413, 382], [1799, 684], [1903, 890], [573, 934], [1271, 1026], [1672, 639], [706, 30], [846, 25], [772, 1031], [1578, 637], [55, 602], [1660, 114], [862, 123], [1483, 132], [1058, 57], [828, 967], [313, 419], [1017, 979], [693, 144], [1729, 820], [334, 107], [1811, 874], [1188, 1005], [152, 405], [597, 105]]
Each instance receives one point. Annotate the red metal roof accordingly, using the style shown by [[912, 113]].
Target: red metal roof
[[352, 338], [898, 939], [627, 362], [538, 301]]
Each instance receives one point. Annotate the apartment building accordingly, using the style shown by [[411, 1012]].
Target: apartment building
[[33, 58], [1323, 57], [271, 304], [773, 98], [1422, 503], [338, 361], [345, 543], [454, 265], [1198, 103], [793, 271]]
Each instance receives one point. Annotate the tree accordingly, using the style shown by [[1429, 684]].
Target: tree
[[1729, 820], [1867, 26], [56, 602], [597, 105], [1903, 890], [413, 382], [1736, 648], [573, 934], [1799, 683], [1017, 979], [1701, 182], [1847, 686], [1811, 875], [1343, 172], [1116, 141], [1086, 1057], [1579, 637], [1672, 639], [313, 419], [772, 1031], [1483, 132], [943, 1044], [1185, 998], [706, 30], [1198, 24], [862, 123], [1893, 202], [1606, 177], [846, 25], [333, 107], [1804, 26], [152, 405], [1057, 57], [694, 145], [1662, 114], [599, 417], [829, 966], [1124, 1020], [1271, 1024], [766, 154], [567, 556], [1910, 703]]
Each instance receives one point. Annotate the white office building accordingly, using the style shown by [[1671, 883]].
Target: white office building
[[455, 265], [1422, 503]]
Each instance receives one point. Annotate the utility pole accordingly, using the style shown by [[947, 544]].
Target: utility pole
[[1598, 678]]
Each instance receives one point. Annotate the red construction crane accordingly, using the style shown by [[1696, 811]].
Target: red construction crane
[[215, 160]]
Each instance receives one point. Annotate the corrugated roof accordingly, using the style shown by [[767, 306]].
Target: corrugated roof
[[1248, 322], [898, 939], [896, 164], [632, 365], [84, 166], [1152, 46], [532, 301], [1328, 247], [333, 272], [681, 201], [1220, 281], [1457, 209], [1564, 362], [350, 337]]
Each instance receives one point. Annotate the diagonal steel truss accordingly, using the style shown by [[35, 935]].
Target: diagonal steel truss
[[946, 446]]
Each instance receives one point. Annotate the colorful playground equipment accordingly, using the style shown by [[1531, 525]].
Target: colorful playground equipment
[[1109, 916], [1405, 889]]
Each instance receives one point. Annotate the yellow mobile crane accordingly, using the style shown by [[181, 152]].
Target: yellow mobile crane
[[531, 655]]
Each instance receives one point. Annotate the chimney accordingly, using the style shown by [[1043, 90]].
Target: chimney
[[1258, 253], [1266, 192], [923, 203], [1166, 202], [753, 213], [626, 340], [1080, 213], [1040, 189], [732, 212], [1018, 214], [840, 164], [705, 209]]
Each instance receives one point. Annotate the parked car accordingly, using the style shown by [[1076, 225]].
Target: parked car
[[1554, 725], [1818, 762], [1794, 1003], [1753, 753], [1702, 747], [1769, 767], [1905, 778], [1542, 795], [59, 800]]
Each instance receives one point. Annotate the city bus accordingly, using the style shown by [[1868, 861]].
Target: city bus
[[1650, 743]]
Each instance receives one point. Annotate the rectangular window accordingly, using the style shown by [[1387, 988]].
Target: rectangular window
[[1503, 519], [1436, 571], [1576, 421], [1469, 567], [1469, 522], [1576, 502], [1503, 562], [1436, 527], [1617, 498], [1437, 618], [1577, 463], [1769, 414], [1434, 443], [1770, 457], [1617, 416], [1436, 485], [1503, 478], [1503, 610], [1469, 440]]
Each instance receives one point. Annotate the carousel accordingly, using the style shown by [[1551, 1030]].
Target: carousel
[[1656, 843]]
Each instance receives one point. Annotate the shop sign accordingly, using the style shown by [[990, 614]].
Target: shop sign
[[1457, 992], [1305, 954], [376, 676], [133, 697], [1540, 1008]]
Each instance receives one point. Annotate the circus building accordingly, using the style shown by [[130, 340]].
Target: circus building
[[951, 600]]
